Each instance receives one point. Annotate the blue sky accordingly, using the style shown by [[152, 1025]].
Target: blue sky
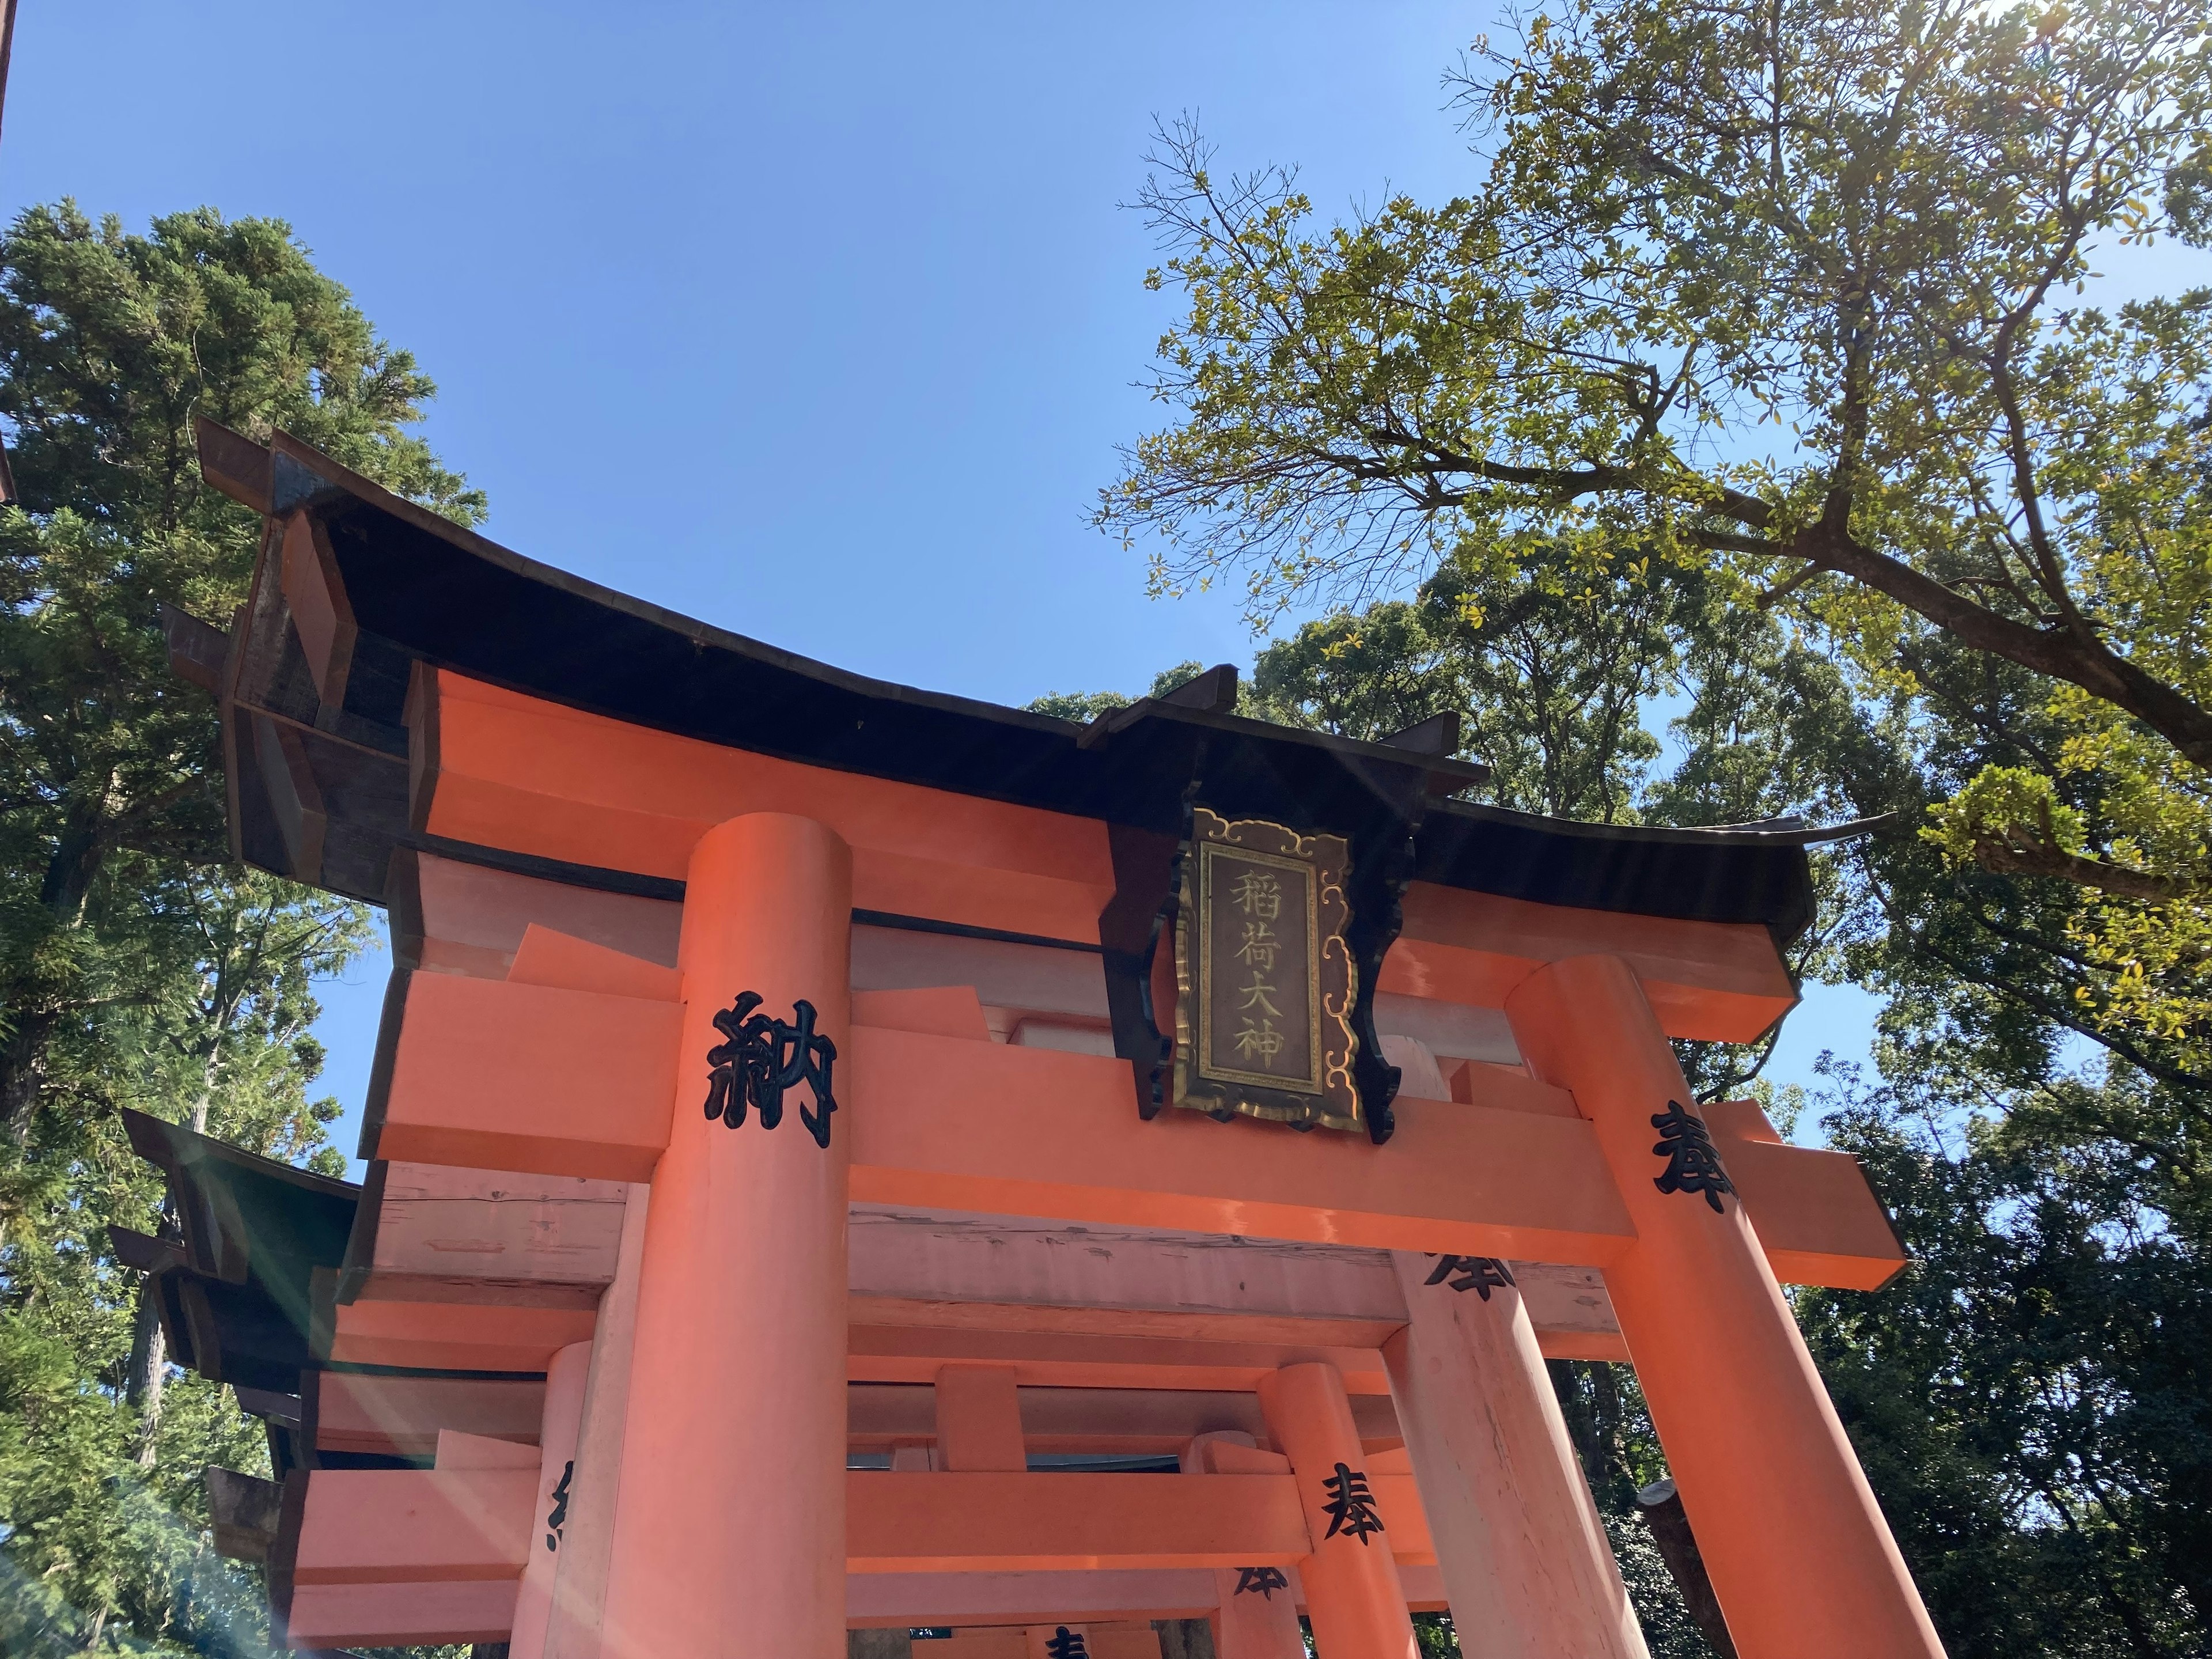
[[817, 322]]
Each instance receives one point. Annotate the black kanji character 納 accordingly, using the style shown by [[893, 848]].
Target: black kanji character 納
[[762, 1058], [1262, 1582], [1474, 1273], [1351, 1506], [1693, 1164]]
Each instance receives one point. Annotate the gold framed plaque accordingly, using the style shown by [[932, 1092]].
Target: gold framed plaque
[[1264, 981]]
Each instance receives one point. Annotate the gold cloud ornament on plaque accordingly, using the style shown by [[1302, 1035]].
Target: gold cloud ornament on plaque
[[1265, 979]]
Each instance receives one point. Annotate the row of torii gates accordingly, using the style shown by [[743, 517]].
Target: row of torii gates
[[847, 1158]]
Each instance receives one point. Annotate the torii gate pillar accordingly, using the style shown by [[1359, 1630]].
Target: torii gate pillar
[[730, 1531], [1801, 1560], [1526, 1561], [1352, 1593]]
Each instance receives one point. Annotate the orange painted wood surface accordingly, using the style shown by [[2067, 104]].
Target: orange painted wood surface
[[1043, 1523], [573, 1629], [503, 1076], [548, 957], [415, 1526], [1130, 1422], [515, 772], [1801, 1558], [1519, 1539], [953, 1010], [324, 1616], [951, 1122], [1004, 1130], [375, 1615], [1354, 1596], [453, 1336], [1712, 981], [403, 1416], [1816, 1214], [566, 1381], [519, 773], [1044, 1359], [897, 1600], [391, 1527], [736, 1392], [891, 1601], [1010, 1273], [434, 1222], [979, 1420], [1078, 1317], [456, 1451], [469, 918]]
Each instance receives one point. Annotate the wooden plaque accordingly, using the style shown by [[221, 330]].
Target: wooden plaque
[[1265, 982]]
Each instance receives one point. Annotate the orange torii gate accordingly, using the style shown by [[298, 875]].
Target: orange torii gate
[[823, 1132]]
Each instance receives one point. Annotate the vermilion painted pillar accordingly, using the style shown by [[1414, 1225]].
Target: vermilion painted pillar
[[1352, 1593], [1525, 1559], [1803, 1562], [579, 1581], [1255, 1618], [730, 1530], [979, 1420], [560, 1424]]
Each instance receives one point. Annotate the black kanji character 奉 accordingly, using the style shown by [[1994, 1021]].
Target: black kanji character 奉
[[1693, 1164], [1476, 1273], [1067, 1643], [763, 1058], [558, 1517], [1262, 1582], [1351, 1506]]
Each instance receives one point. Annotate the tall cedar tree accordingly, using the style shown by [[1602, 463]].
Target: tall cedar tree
[[137, 967]]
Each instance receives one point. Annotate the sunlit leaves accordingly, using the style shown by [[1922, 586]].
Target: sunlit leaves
[[1787, 297]]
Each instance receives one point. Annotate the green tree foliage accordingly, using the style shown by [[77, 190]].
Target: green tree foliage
[[110, 343], [1086, 706], [1790, 297], [1768, 328], [137, 967], [2033, 1400]]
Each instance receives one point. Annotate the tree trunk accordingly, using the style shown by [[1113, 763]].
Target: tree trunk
[[149, 1346], [63, 892], [1574, 1405], [150, 1372], [23, 1069], [1661, 1506], [1184, 1638]]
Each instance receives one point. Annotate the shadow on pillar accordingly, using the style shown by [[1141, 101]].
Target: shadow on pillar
[[1661, 1506], [878, 1644]]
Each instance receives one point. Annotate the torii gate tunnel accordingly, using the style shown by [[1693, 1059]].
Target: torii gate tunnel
[[844, 1158]]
